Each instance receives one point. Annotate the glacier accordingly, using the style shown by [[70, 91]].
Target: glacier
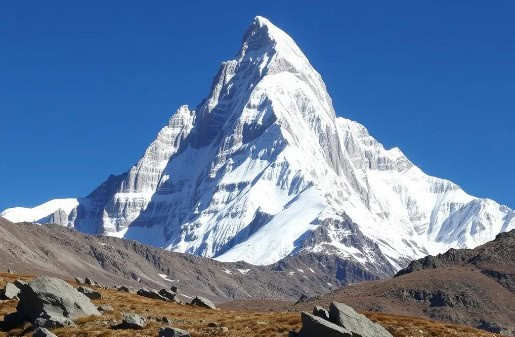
[[263, 169]]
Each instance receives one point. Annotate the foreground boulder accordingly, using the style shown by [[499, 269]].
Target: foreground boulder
[[341, 321], [313, 326], [173, 332], [90, 293], [50, 302], [132, 321], [345, 316], [9, 292], [203, 302]]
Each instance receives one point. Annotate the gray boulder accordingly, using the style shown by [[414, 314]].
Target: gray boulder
[[132, 321], [42, 332], [173, 332], [203, 302], [79, 280], [174, 289], [167, 294], [321, 312], [9, 292], [358, 324], [150, 294], [105, 308], [50, 302], [313, 326], [90, 293]]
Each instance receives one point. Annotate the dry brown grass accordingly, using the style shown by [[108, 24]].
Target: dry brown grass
[[195, 320]]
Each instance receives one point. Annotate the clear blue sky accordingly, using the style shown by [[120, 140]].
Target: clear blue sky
[[84, 88]]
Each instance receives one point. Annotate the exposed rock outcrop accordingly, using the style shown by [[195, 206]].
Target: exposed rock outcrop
[[50, 303]]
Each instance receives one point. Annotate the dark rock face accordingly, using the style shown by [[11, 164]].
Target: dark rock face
[[9, 292], [42, 332], [203, 302], [358, 324], [20, 283], [90, 293], [173, 332], [50, 302], [132, 321]]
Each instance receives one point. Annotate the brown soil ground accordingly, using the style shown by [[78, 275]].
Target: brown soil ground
[[249, 323]]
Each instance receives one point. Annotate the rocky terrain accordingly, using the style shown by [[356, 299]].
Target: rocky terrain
[[49, 307], [58, 251], [472, 287]]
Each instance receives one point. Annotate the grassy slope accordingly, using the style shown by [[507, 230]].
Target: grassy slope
[[239, 323]]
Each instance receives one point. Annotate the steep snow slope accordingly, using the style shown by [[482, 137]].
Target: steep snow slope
[[263, 169]]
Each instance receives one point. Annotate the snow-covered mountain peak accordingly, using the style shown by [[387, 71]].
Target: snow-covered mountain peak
[[263, 169]]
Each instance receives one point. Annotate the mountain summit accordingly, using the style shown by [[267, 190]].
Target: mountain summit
[[262, 169]]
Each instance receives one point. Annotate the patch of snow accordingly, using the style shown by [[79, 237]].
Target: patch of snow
[[34, 214]]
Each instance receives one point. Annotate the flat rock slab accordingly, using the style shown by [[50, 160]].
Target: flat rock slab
[[313, 326], [344, 316]]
